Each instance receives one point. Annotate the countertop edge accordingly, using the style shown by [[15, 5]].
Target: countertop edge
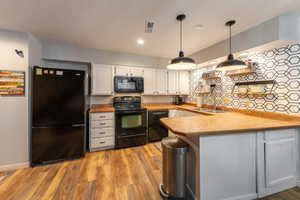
[[225, 132]]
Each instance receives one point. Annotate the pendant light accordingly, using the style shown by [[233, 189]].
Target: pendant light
[[181, 62], [231, 63]]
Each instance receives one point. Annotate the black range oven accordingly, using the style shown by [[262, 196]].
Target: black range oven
[[131, 121], [125, 84]]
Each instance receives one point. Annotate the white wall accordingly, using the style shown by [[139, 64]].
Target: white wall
[[290, 26], [54, 50], [278, 29], [63, 51], [262, 34], [14, 110], [35, 49]]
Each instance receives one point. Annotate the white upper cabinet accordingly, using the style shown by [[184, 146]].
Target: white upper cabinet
[[155, 81], [135, 71], [149, 81], [184, 82], [129, 71], [161, 81], [172, 82], [102, 79], [122, 71], [178, 82]]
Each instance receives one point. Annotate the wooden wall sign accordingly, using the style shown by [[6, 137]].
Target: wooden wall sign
[[12, 83]]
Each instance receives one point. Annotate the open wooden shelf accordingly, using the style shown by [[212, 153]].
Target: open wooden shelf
[[253, 93], [210, 78], [203, 92], [240, 73], [256, 82], [262, 82]]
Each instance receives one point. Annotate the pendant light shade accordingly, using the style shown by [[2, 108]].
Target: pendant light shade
[[181, 62], [231, 63]]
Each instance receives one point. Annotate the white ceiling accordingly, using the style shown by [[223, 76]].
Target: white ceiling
[[116, 24]]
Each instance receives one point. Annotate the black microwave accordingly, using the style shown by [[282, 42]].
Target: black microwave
[[125, 84]]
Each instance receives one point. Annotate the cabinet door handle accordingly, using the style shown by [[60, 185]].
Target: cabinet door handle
[[103, 142], [102, 123], [102, 133], [102, 116]]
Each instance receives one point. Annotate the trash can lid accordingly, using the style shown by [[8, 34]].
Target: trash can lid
[[174, 142]]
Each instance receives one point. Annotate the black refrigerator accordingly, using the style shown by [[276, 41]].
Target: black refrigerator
[[58, 115]]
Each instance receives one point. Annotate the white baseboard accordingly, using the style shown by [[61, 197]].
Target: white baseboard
[[14, 166], [244, 197]]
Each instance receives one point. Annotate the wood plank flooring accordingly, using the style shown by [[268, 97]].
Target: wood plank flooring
[[126, 174]]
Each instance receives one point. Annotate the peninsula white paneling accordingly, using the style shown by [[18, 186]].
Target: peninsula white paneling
[[228, 167], [277, 161]]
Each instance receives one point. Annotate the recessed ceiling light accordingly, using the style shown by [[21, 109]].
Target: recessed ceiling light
[[244, 54], [140, 41], [199, 27]]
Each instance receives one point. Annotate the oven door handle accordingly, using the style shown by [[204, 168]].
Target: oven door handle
[[130, 112]]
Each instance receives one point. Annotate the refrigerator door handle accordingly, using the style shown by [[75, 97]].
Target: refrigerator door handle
[[42, 127], [78, 125], [73, 125]]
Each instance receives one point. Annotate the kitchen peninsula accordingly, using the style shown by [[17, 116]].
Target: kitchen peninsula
[[239, 155]]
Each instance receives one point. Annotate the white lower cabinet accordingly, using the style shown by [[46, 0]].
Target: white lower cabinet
[[247, 166], [277, 161], [228, 167], [102, 131], [102, 143]]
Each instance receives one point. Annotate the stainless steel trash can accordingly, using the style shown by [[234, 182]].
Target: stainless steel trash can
[[174, 168]]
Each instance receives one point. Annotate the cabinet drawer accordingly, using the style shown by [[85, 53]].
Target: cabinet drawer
[[102, 123], [102, 142], [102, 116], [102, 132], [279, 134]]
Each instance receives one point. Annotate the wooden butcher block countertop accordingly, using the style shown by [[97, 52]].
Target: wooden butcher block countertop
[[157, 106], [229, 122], [154, 106], [102, 108]]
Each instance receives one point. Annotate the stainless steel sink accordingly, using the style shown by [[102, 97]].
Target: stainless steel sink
[[209, 110]]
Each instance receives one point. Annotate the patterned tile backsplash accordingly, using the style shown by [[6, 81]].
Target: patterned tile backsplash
[[280, 64]]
